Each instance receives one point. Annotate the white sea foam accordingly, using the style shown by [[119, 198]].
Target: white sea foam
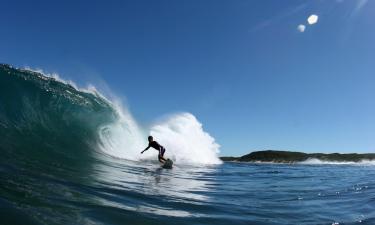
[[314, 161], [185, 140]]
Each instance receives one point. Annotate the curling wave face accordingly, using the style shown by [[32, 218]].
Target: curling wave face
[[42, 116]]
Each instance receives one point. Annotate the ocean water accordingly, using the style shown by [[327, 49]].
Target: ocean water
[[71, 156]]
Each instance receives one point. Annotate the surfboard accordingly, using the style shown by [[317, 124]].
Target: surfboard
[[168, 164]]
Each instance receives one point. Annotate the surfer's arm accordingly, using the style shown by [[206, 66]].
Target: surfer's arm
[[145, 149]]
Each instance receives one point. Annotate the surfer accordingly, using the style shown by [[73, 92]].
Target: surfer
[[157, 146]]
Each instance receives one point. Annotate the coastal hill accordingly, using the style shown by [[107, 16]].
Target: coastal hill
[[293, 157]]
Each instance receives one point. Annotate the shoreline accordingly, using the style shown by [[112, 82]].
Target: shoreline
[[275, 156]]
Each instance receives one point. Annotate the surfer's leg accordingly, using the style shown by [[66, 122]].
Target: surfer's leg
[[161, 155], [161, 159]]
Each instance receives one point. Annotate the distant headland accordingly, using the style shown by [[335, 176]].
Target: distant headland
[[295, 157]]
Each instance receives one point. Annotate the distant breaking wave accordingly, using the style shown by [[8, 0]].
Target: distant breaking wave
[[40, 115], [313, 161]]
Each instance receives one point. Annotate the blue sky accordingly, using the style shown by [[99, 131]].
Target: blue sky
[[243, 68]]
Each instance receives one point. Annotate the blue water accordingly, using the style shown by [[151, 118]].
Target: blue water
[[53, 172], [235, 193], [117, 191]]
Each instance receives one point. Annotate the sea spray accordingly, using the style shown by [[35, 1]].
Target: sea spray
[[185, 140], [181, 134], [123, 138]]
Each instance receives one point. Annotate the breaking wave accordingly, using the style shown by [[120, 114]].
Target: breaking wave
[[44, 114], [314, 161]]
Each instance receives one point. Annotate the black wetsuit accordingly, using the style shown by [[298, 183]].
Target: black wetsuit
[[158, 147]]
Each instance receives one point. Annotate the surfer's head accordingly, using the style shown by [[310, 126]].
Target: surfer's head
[[150, 138]]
